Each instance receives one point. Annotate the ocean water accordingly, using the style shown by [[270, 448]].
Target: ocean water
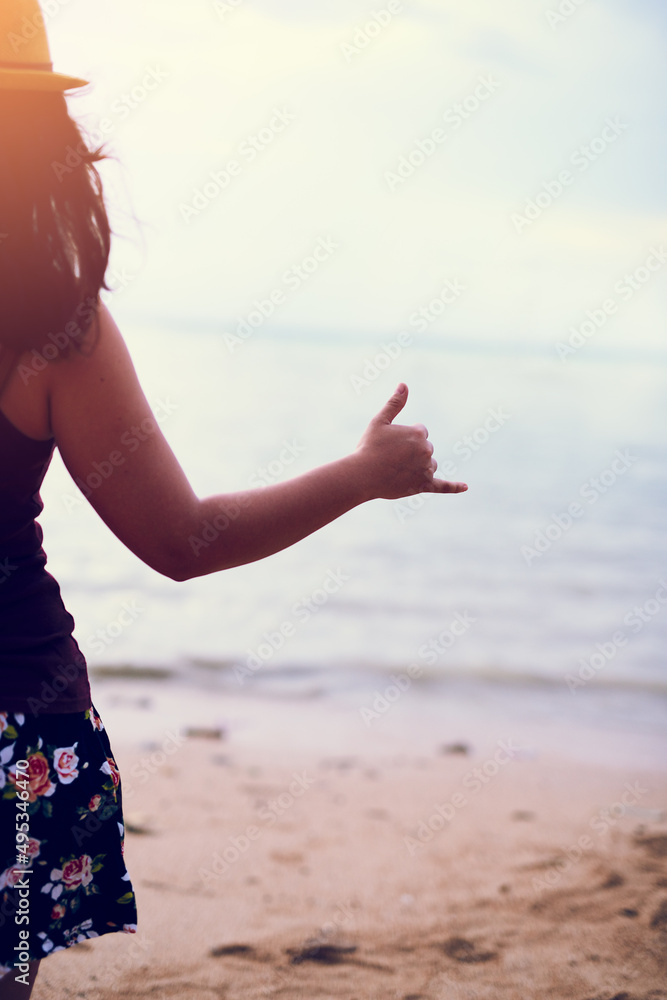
[[499, 602], [551, 570]]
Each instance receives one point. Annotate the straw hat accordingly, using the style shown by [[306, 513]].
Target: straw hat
[[25, 60]]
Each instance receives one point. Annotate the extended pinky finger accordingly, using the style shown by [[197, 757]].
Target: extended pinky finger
[[444, 486]]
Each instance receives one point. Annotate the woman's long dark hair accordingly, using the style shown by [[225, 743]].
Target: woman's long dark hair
[[54, 229]]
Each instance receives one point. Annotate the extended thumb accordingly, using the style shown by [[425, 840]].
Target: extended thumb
[[394, 405]]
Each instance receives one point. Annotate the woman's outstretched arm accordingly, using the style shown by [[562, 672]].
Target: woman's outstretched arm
[[104, 428]]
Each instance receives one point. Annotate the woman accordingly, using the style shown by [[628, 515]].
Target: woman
[[67, 380]]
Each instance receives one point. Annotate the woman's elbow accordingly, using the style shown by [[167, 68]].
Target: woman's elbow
[[175, 565], [188, 566], [181, 561], [179, 574]]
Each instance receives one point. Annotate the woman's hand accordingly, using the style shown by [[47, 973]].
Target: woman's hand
[[397, 459]]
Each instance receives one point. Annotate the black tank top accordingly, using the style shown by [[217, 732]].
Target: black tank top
[[42, 669]]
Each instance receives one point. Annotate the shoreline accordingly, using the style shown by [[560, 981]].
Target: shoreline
[[376, 718]]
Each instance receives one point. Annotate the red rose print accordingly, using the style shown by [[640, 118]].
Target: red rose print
[[32, 850], [10, 877], [78, 872], [113, 771], [38, 777]]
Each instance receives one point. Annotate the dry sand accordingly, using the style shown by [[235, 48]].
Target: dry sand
[[329, 891]]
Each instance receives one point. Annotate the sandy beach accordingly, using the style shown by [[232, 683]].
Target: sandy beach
[[467, 873]]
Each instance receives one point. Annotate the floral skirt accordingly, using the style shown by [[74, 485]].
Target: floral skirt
[[62, 874]]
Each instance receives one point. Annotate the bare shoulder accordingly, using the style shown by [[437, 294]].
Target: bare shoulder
[[56, 370], [91, 362], [96, 382], [96, 400], [22, 394]]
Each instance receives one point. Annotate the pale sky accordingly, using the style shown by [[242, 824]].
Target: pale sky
[[318, 104]]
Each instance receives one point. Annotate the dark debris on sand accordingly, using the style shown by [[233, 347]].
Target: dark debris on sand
[[659, 918], [327, 954], [655, 845], [232, 949], [456, 748], [613, 881], [616, 996], [465, 951], [631, 996]]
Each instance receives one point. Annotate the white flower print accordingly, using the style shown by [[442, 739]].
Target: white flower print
[[65, 762]]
